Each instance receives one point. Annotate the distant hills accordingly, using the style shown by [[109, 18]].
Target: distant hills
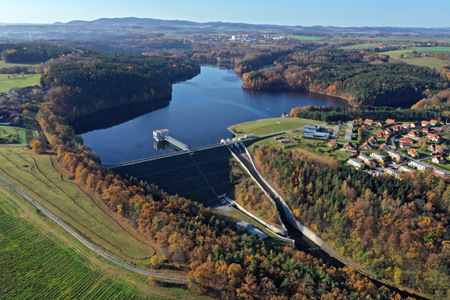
[[117, 27]]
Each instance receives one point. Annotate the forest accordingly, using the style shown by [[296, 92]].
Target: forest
[[361, 78], [397, 229], [331, 114]]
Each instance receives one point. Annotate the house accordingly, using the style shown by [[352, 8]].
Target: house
[[434, 122], [377, 156], [383, 146], [427, 130], [365, 146], [365, 127], [418, 165], [434, 137], [379, 124], [390, 122], [441, 173], [368, 122], [372, 140], [439, 160], [413, 153], [414, 133], [397, 128], [436, 149], [416, 125], [333, 144], [308, 134], [388, 131], [367, 160], [395, 155], [311, 128], [356, 164], [405, 143], [406, 126], [379, 134], [425, 123], [406, 169], [393, 172], [348, 147]]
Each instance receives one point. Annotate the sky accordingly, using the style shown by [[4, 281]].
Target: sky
[[344, 13]]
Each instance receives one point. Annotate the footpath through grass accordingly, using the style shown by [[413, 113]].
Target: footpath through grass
[[268, 126], [39, 176], [38, 262]]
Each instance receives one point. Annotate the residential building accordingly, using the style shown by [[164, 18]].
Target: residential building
[[383, 146], [413, 153], [434, 122], [377, 156], [441, 173], [372, 140], [367, 160], [405, 143], [406, 126], [356, 164], [414, 133], [348, 147], [406, 169], [397, 128], [425, 123], [368, 122], [393, 172], [436, 149], [365, 146], [395, 155], [439, 160], [418, 165], [388, 131], [434, 137], [333, 144], [365, 127], [390, 122], [379, 134]]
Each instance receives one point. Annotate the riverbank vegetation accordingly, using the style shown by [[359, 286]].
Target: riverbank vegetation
[[398, 230]]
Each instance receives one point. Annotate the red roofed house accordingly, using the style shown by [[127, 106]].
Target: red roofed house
[[383, 146], [414, 133], [348, 146], [425, 123], [364, 127], [413, 153], [434, 137], [379, 134], [434, 122], [388, 131], [397, 128], [405, 143], [437, 149], [368, 122], [390, 122], [372, 140], [365, 146], [416, 125], [406, 126]]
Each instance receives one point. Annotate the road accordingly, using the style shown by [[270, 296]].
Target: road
[[84, 241]]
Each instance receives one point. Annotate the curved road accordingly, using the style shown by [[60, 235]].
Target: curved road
[[84, 241]]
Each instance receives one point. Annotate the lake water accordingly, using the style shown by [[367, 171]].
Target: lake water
[[198, 115]]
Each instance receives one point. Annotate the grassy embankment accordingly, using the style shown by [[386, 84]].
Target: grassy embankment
[[39, 176], [15, 135], [269, 126], [40, 260], [316, 148]]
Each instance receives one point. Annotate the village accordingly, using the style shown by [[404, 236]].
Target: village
[[394, 148]]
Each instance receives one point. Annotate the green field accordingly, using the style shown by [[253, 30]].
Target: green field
[[39, 176], [39, 262], [8, 82], [445, 50], [18, 135], [269, 126], [429, 62], [362, 46], [305, 37]]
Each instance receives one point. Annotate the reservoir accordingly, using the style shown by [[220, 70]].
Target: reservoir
[[199, 113]]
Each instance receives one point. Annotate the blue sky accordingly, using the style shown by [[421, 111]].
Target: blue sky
[[401, 13]]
